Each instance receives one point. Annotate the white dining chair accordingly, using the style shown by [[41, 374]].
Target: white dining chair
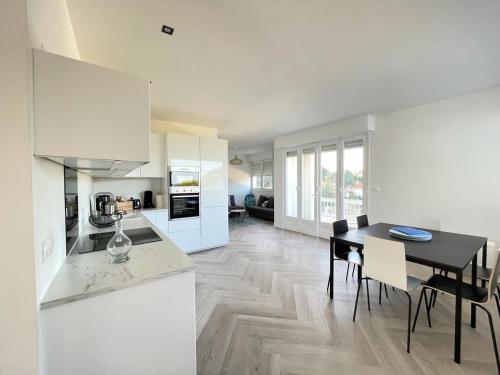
[[385, 262]]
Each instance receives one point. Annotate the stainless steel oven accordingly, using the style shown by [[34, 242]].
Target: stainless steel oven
[[184, 205], [184, 180]]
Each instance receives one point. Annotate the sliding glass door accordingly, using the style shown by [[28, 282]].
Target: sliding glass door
[[353, 178], [300, 189], [308, 188], [324, 182], [291, 187]]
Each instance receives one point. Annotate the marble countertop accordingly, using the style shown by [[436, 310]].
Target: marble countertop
[[87, 275]]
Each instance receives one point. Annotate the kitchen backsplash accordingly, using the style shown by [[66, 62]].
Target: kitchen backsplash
[[128, 187]]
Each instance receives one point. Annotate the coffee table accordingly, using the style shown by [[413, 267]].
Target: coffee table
[[242, 213]]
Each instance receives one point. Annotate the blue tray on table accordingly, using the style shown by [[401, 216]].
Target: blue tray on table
[[411, 234]]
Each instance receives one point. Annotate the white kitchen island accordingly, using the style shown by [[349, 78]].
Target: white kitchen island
[[131, 318]]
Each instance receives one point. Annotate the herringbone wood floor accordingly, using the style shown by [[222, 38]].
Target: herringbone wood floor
[[262, 308]]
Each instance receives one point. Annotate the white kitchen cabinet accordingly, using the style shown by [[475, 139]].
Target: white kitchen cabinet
[[182, 150], [149, 328], [162, 221], [159, 218], [134, 173], [184, 224], [214, 227], [88, 117], [186, 240], [213, 179], [156, 167]]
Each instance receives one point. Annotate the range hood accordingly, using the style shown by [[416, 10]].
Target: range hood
[[98, 168], [90, 118]]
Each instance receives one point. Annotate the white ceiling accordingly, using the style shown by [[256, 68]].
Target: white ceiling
[[257, 69]]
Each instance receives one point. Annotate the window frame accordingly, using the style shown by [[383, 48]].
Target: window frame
[[262, 174]]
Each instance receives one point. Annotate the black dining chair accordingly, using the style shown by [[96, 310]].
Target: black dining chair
[[477, 295], [483, 274], [362, 221], [343, 252]]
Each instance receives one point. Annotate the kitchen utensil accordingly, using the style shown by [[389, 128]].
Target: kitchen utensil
[[159, 200], [109, 208], [148, 199]]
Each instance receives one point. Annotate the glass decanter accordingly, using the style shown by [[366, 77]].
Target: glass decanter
[[119, 245]]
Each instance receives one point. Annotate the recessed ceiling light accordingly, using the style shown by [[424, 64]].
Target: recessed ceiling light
[[167, 30]]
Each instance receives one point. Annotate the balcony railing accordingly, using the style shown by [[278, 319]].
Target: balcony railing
[[328, 210]]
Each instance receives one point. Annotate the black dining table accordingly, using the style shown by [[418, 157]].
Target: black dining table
[[447, 251]]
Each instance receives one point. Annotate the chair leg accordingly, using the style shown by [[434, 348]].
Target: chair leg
[[409, 322], [347, 273], [380, 293], [498, 303], [368, 294], [434, 293], [386, 294], [427, 308], [493, 338], [353, 269], [328, 286], [356, 304], [418, 308]]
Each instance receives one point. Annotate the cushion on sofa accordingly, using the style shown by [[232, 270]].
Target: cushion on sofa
[[261, 200], [271, 202]]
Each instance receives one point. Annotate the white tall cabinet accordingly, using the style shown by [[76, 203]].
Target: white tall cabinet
[[213, 195], [210, 155]]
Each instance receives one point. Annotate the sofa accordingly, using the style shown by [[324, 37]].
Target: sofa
[[264, 209]]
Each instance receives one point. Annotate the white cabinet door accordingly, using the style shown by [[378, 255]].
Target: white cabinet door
[[134, 173], [214, 226], [184, 224], [155, 168], [81, 109], [162, 221], [187, 240], [213, 153], [183, 150]]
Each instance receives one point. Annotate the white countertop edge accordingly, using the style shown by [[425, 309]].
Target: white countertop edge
[[109, 289]]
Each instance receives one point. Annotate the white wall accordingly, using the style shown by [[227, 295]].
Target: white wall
[[18, 313], [50, 29], [160, 126], [440, 161], [239, 183]]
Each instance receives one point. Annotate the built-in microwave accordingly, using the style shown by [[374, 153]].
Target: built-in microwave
[[184, 205], [184, 180]]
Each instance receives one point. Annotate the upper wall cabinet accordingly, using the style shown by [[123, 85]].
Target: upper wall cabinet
[[213, 154], [182, 150], [156, 167], [90, 117]]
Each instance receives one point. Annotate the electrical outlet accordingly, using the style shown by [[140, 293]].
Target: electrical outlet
[[47, 248]]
